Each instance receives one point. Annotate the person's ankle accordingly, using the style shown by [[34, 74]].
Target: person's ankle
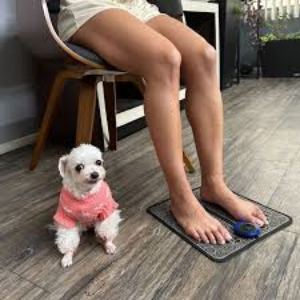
[[215, 180], [212, 185], [180, 194]]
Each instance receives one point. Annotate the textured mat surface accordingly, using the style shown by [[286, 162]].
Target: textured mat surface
[[221, 253]]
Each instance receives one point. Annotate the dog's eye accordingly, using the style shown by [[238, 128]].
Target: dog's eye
[[99, 162], [79, 167]]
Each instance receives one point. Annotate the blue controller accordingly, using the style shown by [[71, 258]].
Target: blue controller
[[246, 230]]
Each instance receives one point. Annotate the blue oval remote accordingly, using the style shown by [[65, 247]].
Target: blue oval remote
[[246, 229]]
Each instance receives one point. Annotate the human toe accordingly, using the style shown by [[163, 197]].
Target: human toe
[[203, 237], [256, 221], [211, 237], [260, 215], [193, 233], [220, 238]]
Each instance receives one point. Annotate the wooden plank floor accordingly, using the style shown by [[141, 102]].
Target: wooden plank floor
[[262, 161]]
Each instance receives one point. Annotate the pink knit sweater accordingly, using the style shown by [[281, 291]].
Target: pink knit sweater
[[92, 208]]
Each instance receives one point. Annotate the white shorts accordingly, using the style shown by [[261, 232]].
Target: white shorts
[[74, 13]]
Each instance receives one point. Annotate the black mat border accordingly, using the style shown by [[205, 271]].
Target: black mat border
[[183, 236]]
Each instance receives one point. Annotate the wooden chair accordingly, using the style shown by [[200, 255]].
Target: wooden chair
[[37, 28]]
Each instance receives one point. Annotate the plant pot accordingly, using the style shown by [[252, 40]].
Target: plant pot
[[281, 58]]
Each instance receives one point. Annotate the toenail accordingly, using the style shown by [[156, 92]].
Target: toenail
[[228, 237]]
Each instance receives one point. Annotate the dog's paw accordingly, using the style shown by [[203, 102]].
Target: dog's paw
[[67, 260], [110, 248]]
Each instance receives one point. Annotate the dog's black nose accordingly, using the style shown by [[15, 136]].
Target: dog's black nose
[[94, 175]]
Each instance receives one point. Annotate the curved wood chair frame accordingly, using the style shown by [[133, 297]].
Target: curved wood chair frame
[[37, 31]]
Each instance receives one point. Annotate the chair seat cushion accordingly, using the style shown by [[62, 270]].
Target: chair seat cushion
[[89, 55]]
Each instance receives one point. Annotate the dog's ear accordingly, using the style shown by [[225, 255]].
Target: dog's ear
[[62, 165]]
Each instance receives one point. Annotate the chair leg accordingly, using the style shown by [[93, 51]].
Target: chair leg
[[98, 136], [51, 108], [111, 112], [187, 162], [86, 110]]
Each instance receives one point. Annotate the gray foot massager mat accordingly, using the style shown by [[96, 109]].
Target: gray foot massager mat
[[220, 253]]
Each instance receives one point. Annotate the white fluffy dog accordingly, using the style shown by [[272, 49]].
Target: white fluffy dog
[[85, 201]]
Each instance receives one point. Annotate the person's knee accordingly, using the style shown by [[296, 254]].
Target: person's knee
[[164, 64], [205, 58], [210, 55]]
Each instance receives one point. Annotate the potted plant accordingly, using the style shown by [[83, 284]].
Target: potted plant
[[251, 15], [280, 50]]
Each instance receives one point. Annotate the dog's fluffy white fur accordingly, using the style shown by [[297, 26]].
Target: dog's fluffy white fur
[[80, 184]]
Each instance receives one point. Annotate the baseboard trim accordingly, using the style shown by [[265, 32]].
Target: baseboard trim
[[18, 143]]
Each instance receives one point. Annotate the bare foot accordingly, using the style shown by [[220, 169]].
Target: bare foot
[[196, 222], [240, 209]]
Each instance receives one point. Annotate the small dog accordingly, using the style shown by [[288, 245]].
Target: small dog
[[85, 201]]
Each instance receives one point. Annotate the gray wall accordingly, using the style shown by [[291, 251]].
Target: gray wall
[[18, 100]]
